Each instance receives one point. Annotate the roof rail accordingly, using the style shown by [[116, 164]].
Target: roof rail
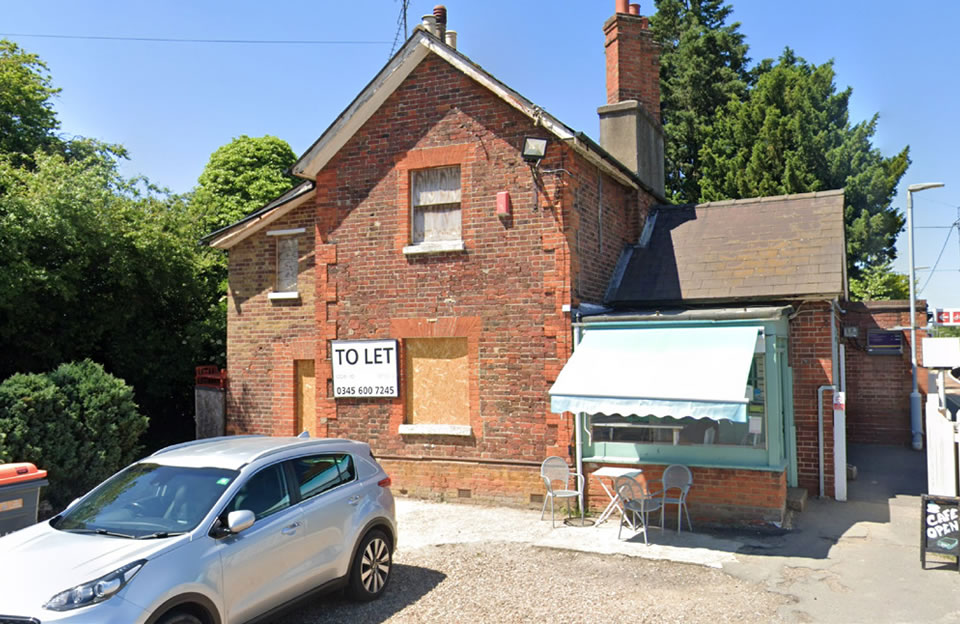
[[176, 447], [293, 445]]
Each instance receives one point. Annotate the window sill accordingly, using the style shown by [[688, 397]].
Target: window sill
[[434, 247], [283, 296], [448, 430]]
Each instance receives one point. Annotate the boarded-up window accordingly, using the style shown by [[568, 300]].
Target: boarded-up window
[[436, 204], [287, 263], [437, 380], [305, 397]]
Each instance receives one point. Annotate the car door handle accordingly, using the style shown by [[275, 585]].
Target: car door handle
[[291, 528], [354, 500]]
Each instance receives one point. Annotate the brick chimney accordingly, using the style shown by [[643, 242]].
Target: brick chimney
[[630, 122]]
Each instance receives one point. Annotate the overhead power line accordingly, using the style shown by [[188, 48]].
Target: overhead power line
[[935, 264], [180, 40]]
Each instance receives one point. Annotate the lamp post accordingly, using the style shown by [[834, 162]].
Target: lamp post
[[916, 426]]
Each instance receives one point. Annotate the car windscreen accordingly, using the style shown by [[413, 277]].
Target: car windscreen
[[148, 500]]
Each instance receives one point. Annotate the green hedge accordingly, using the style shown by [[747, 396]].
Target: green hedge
[[79, 423]]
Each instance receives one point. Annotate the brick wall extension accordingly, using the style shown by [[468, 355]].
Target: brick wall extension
[[264, 337], [879, 386], [811, 357], [505, 293]]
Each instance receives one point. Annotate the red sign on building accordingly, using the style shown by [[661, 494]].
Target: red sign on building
[[949, 316]]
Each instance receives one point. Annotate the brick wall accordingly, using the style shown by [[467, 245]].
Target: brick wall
[[264, 337], [505, 293], [719, 496], [879, 386], [811, 357]]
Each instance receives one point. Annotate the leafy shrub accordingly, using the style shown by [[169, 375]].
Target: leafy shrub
[[79, 423]]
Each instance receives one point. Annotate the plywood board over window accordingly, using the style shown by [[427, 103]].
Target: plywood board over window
[[306, 404], [437, 380]]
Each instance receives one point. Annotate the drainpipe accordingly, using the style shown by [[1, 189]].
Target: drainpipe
[[578, 424], [820, 429]]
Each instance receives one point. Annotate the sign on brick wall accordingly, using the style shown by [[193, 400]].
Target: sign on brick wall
[[364, 368], [948, 316]]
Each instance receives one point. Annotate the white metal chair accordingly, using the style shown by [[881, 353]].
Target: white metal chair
[[556, 477], [637, 502], [676, 477]]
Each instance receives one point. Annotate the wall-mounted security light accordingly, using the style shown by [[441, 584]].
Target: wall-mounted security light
[[533, 150]]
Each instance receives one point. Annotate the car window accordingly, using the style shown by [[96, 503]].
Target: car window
[[264, 493], [318, 473], [148, 499]]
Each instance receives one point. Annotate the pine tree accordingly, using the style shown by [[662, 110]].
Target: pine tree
[[703, 66], [792, 134]]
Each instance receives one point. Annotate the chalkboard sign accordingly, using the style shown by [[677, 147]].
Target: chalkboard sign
[[939, 527]]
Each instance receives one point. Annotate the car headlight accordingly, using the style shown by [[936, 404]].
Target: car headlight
[[95, 591]]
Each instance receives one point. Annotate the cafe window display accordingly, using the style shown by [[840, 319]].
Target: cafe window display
[[689, 431], [712, 393]]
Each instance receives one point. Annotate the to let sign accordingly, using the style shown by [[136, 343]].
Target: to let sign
[[948, 316], [364, 368]]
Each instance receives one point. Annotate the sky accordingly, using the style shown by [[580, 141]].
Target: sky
[[171, 104]]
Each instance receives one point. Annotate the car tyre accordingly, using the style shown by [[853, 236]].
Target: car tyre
[[179, 618], [371, 567]]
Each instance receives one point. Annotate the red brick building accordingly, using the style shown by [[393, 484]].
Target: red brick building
[[481, 314], [423, 289]]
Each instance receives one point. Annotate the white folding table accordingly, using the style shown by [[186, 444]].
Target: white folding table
[[611, 473]]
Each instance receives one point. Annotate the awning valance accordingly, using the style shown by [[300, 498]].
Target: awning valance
[[697, 371]]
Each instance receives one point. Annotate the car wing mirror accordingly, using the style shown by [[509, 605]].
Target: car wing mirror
[[238, 521]]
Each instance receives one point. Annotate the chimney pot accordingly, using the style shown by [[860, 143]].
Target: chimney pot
[[623, 6], [634, 9], [429, 23], [451, 39], [440, 13]]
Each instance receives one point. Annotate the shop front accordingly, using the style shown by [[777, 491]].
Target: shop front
[[710, 389]]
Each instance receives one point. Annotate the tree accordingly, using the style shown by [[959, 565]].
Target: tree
[[241, 177], [879, 283], [93, 265], [792, 134], [27, 119], [703, 66], [78, 422]]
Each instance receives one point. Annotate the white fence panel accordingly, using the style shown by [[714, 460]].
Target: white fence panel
[[941, 446]]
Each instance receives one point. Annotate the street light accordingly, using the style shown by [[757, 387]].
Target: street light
[[916, 426]]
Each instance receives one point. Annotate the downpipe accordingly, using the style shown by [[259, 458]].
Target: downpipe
[[820, 392]]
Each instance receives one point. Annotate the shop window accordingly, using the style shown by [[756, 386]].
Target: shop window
[[437, 386], [435, 210], [682, 430], [287, 264]]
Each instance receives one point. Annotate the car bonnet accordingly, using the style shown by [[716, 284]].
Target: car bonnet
[[40, 562]]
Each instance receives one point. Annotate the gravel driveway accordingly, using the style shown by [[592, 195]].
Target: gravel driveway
[[457, 564]]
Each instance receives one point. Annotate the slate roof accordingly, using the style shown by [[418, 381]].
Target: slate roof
[[787, 247]]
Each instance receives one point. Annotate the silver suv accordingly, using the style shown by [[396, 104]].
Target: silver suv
[[220, 531]]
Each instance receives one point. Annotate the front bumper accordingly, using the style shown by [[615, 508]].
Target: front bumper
[[116, 610]]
